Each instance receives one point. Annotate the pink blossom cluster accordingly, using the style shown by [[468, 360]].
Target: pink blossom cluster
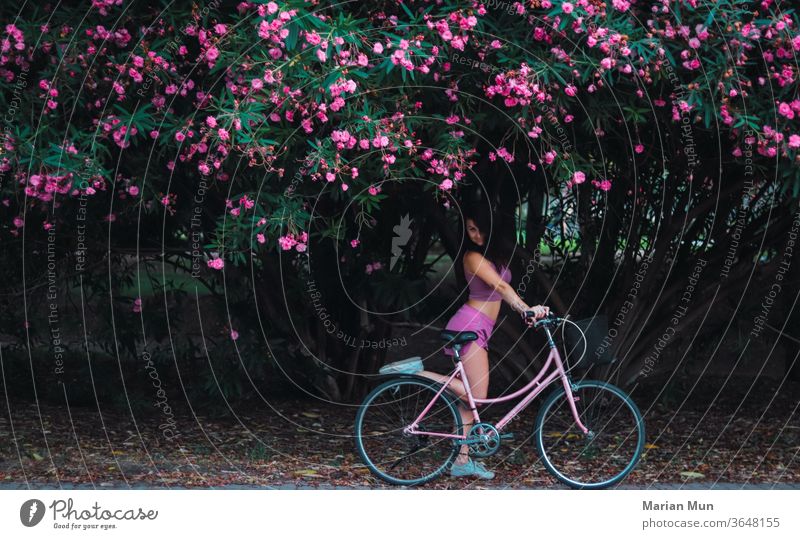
[[577, 178], [603, 185], [245, 203], [518, 88], [461, 24], [342, 86], [451, 167], [119, 132], [44, 186], [12, 32], [503, 153], [297, 241], [275, 30], [103, 5], [120, 37]]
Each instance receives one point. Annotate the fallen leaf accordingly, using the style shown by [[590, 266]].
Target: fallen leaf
[[307, 473]]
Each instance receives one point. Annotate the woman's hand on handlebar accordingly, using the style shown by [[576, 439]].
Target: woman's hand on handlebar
[[536, 313]]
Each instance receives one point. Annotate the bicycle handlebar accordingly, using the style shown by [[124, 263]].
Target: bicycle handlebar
[[550, 318]]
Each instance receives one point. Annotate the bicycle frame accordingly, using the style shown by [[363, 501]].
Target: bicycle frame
[[535, 386]]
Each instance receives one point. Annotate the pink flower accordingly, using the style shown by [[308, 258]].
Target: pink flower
[[234, 334], [505, 154], [570, 90], [263, 30], [567, 8], [212, 54], [260, 238], [133, 190], [621, 5], [211, 122], [286, 242], [639, 148], [446, 185], [345, 187], [794, 141], [604, 185], [137, 305], [313, 38], [354, 243], [223, 134], [216, 263], [179, 136], [579, 177]]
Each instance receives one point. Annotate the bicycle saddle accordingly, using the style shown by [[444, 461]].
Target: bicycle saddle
[[457, 337]]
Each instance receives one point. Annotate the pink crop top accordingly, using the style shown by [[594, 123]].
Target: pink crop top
[[478, 289]]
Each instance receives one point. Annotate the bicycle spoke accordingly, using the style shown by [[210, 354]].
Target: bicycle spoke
[[606, 457], [397, 456]]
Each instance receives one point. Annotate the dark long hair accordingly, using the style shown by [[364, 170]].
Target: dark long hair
[[498, 246]]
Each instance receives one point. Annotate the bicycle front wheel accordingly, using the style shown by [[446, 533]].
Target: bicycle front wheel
[[407, 459], [611, 449]]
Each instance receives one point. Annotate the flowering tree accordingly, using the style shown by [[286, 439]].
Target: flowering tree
[[268, 149]]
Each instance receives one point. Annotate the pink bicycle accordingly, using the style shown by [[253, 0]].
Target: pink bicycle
[[589, 434]]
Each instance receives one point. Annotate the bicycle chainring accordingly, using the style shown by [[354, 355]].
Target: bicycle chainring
[[484, 440]]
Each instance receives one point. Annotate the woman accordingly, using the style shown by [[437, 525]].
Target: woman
[[485, 261]]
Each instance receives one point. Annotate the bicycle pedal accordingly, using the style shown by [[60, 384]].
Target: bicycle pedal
[[507, 436]]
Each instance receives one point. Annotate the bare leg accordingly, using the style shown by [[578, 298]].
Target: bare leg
[[476, 364]]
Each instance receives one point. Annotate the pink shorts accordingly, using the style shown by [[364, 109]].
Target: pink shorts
[[469, 318]]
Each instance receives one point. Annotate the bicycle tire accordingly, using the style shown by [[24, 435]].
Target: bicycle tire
[[554, 461], [443, 450]]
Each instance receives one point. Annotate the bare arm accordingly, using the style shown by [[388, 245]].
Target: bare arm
[[475, 263]]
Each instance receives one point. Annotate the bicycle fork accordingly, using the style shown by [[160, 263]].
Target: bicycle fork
[[568, 385]]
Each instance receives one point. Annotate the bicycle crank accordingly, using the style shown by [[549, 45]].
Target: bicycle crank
[[483, 439]]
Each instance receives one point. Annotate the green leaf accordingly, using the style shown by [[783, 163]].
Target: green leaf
[[408, 12], [294, 32]]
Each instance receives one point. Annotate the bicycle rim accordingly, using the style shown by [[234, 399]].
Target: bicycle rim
[[406, 459], [581, 461]]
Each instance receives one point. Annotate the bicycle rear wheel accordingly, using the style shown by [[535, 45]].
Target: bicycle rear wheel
[[604, 457], [407, 459]]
